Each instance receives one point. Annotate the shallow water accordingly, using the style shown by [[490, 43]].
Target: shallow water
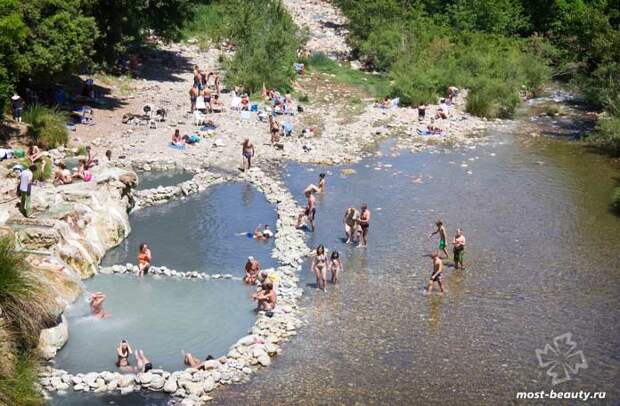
[[201, 232], [160, 316], [154, 179], [541, 261]]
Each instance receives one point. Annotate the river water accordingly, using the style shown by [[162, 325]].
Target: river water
[[541, 262]]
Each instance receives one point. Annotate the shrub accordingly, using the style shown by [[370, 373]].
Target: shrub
[[41, 173], [47, 126], [607, 135], [18, 387], [615, 200]]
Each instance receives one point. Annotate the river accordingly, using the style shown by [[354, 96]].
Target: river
[[541, 262]]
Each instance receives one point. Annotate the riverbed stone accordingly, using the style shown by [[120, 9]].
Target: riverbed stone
[[144, 378], [209, 384], [157, 382], [171, 385], [127, 380]]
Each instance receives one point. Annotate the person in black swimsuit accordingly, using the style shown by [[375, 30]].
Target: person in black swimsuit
[[364, 222]]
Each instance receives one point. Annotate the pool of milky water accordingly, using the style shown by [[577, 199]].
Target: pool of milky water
[[164, 316], [154, 179]]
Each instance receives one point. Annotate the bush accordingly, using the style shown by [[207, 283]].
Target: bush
[[47, 126], [607, 135], [41, 173], [615, 200]]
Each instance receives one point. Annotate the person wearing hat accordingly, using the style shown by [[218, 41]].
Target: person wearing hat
[[252, 269], [17, 105]]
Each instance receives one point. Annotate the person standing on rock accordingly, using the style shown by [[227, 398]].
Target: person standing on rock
[[310, 210], [193, 95], [459, 249], [319, 267], [441, 230], [247, 150], [25, 189], [437, 275], [364, 222], [144, 259]]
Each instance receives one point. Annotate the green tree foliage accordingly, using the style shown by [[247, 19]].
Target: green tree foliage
[[266, 40], [41, 40], [125, 23]]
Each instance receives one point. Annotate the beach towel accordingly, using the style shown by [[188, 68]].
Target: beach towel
[[200, 103], [177, 147]]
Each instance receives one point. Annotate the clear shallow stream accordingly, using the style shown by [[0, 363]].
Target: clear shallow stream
[[541, 261]]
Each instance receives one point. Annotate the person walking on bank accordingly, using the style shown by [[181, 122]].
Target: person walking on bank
[[25, 189]]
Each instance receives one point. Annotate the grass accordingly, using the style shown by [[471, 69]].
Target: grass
[[22, 305], [206, 25], [18, 387], [375, 85], [47, 126]]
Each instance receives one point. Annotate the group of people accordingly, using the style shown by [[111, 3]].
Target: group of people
[[322, 263], [63, 176], [279, 104], [266, 295], [458, 253], [200, 94], [356, 225]]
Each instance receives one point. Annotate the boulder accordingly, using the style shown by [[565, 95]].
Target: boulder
[[53, 339], [209, 384], [127, 380], [144, 378], [171, 385]]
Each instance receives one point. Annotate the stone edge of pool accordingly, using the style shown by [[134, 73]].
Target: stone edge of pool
[[250, 352]]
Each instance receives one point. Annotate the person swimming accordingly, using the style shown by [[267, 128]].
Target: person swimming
[[96, 305], [195, 362], [259, 234]]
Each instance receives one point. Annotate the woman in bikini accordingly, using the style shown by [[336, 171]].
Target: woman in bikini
[[319, 266], [83, 172], [144, 259], [123, 351], [335, 266], [351, 217]]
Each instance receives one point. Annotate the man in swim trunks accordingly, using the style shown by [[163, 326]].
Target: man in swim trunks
[[96, 305], [252, 268], [459, 249], [441, 230], [310, 210], [266, 297], [364, 222], [247, 150], [437, 275]]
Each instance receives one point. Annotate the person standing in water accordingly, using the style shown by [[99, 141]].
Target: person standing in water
[[144, 259], [123, 351], [96, 305], [437, 275], [441, 230], [364, 222], [310, 210], [322, 180], [459, 249], [247, 150], [319, 267], [350, 220], [335, 266]]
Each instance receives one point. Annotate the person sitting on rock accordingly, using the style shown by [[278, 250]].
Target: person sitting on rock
[[96, 305], [266, 297], [62, 176], [144, 259], [252, 268], [195, 362], [83, 172]]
